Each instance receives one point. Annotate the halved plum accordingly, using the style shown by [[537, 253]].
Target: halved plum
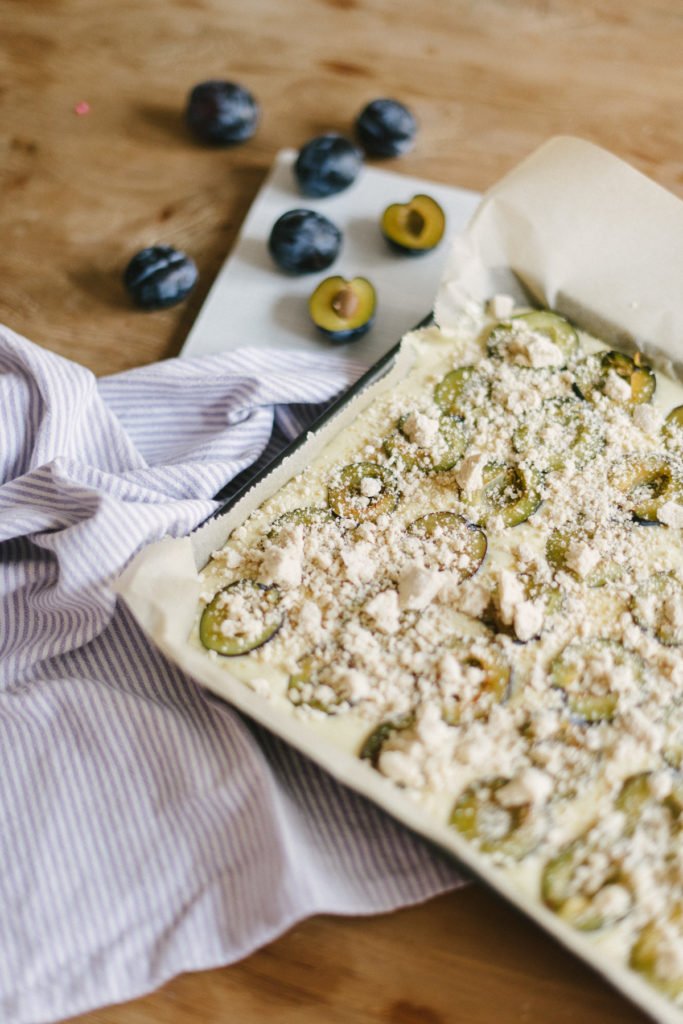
[[673, 427], [574, 893], [549, 598], [374, 743], [347, 500], [343, 309], [492, 684], [455, 393], [509, 491], [414, 227], [306, 516], [593, 376], [651, 952], [584, 671], [443, 453], [559, 431], [309, 676], [557, 553], [638, 374], [541, 323], [468, 540], [495, 828], [647, 482], [241, 617], [636, 795], [657, 607]]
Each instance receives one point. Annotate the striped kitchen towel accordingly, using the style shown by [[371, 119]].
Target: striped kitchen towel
[[145, 829]]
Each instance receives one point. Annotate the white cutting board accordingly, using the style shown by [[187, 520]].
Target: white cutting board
[[253, 303]]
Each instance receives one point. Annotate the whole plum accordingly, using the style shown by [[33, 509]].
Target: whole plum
[[160, 276], [302, 241], [222, 113], [386, 128], [327, 164]]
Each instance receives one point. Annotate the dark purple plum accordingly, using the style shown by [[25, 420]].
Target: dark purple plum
[[303, 241], [327, 164], [386, 128], [222, 113], [160, 276]]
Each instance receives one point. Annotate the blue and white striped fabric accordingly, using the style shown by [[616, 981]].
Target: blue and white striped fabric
[[145, 829]]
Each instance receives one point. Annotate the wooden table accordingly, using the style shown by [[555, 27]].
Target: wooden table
[[489, 81]]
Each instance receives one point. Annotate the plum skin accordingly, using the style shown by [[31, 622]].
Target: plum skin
[[221, 113], [386, 128], [327, 165], [160, 276], [303, 241], [350, 334]]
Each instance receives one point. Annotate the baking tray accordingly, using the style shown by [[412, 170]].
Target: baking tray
[[161, 586], [178, 562]]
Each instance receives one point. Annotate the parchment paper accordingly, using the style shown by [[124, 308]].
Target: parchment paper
[[577, 230], [572, 228]]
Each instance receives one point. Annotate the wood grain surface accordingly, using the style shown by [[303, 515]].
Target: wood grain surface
[[489, 81]]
